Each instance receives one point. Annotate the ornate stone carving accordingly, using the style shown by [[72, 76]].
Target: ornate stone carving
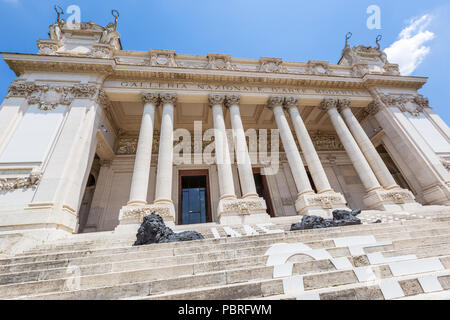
[[220, 62], [325, 201], [232, 99], [318, 68], [343, 104], [168, 98], [48, 47], [150, 97], [127, 146], [391, 69], [103, 100], [326, 142], [275, 101], [102, 51], [162, 58], [413, 105], [328, 103], [399, 197], [84, 91], [290, 102], [243, 206], [215, 99], [446, 164], [48, 97], [138, 213], [360, 69], [271, 65], [9, 184]]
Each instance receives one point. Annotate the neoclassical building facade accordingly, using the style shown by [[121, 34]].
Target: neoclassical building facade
[[94, 137]]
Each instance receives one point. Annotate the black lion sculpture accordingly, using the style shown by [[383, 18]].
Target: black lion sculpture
[[153, 230], [340, 218]]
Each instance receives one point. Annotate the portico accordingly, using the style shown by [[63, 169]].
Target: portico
[[211, 139]]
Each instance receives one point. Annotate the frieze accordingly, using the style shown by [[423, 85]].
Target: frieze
[[9, 184], [189, 86], [412, 104], [138, 213], [398, 197], [48, 97]]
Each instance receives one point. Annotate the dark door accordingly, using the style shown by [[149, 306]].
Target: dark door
[[263, 190], [194, 202]]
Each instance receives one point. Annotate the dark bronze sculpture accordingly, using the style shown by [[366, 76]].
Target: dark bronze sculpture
[[340, 218], [153, 230]]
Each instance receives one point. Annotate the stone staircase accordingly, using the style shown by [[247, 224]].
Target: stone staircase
[[406, 256]]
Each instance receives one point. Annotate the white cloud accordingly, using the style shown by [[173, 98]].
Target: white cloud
[[409, 50]]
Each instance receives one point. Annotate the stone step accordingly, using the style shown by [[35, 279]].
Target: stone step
[[161, 258], [53, 270], [391, 288], [56, 248], [182, 277], [170, 249]]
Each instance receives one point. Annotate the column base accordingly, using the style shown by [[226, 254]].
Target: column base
[[438, 194], [131, 217], [391, 200], [251, 210], [321, 205]]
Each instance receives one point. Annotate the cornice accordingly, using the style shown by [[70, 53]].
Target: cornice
[[21, 63]]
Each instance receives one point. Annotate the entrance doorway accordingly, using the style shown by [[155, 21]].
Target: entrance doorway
[[193, 203], [263, 190]]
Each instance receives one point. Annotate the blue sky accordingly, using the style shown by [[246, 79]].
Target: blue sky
[[417, 33]]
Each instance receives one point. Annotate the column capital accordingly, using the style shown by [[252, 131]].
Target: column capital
[[290, 102], [232, 99], [216, 99], [168, 97], [343, 104], [328, 103], [275, 101], [150, 97]]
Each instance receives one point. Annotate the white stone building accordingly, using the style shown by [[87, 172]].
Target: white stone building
[[89, 133]]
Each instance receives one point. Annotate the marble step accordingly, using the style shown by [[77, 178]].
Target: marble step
[[435, 285], [68, 247], [171, 249], [90, 287], [251, 248], [53, 270]]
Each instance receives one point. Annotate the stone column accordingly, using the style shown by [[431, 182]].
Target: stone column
[[224, 171], [376, 197], [242, 156], [309, 152], [141, 172], [293, 155], [360, 164], [163, 194], [366, 146]]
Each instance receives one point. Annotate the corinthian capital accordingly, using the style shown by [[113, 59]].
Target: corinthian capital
[[328, 103], [216, 99], [168, 98], [150, 97], [290, 102], [275, 101], [232, 99], [343, 104], [21, 89]]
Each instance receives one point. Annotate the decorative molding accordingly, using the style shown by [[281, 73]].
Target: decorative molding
[[271, 65], [216, 99], [412, 104], [232, 100], [164, 58], [243, 206], [168, 98], [220, 62], [328, 103], [9, 184], [48, 47], [318, 68], [138, 213], [446, 164], [150, 97], [275, 101], [343, 104], [399, 197], [48, 96], [290, 102]]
